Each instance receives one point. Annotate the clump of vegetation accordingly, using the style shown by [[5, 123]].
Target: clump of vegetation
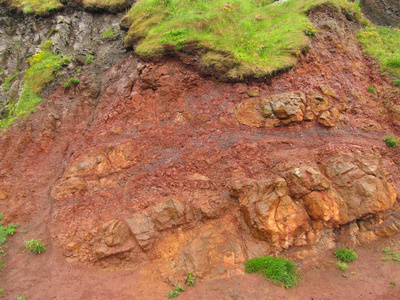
[[8, 81], [244, 38], [35, 246], [394, 255], [109, 34], [38, 7], [382, 43], [190, 279], [346, 255], [342, 266], [21, 298], [175, 292], [310, 31], [89, 59], [71, 81], [371, 89], [6, 230], [42, 69], [391, 141], [393, 283], [277, 269]]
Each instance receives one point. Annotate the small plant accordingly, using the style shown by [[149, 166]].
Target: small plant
[[109, 34], [276, 269], [310, 31], [35, 246], [342, 266], [385, 258], [386, 250], [397, 82], [89, 59], [393, 283], [71, 81], [175, 292], [353, 273], [190, 279], [21, 298], [371, 89], [346, 255], [79, 71], [391, 142]]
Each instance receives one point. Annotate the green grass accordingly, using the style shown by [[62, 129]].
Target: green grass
[[383, 44], [42, 70], [175, 292], [71, 81], [346, 255], [42, 7], [277, 269], [342, 266], [38, 7], [243, 38], [35, 246], [391, 141], [109, 34], [8, 81], [6, 230], [89, 58]]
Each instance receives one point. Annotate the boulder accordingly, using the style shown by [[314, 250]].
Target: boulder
[[289, 106], [144, 225], [142, 228], [327, 119], [269, 212], [110, 239]]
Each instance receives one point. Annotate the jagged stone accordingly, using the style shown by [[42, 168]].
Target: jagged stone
[[71, 187], [319, 103], [110, 239], [289, 106], [142, 228], [168, 214], [270, 216], [327, 119]]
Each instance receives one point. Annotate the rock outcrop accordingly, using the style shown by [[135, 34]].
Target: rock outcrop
[[160, 168]]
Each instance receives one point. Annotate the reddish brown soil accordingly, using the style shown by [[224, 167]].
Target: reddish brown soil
[[183, 123], [49, 276]]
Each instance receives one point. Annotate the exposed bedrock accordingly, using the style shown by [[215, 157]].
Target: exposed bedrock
[[166, 169]]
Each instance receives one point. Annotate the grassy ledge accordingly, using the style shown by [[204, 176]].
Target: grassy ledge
[[42, 70], [383, 44], [43, 7], [240, 38], [39, 7]]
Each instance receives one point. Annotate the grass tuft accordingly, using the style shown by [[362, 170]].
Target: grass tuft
[[35, 246], [277, 269], [342, 266], [346, 255], [391, 141], [175, 292]]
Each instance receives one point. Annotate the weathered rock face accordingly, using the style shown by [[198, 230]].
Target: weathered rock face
[[77, 35], [270, 212], [163, 169]]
